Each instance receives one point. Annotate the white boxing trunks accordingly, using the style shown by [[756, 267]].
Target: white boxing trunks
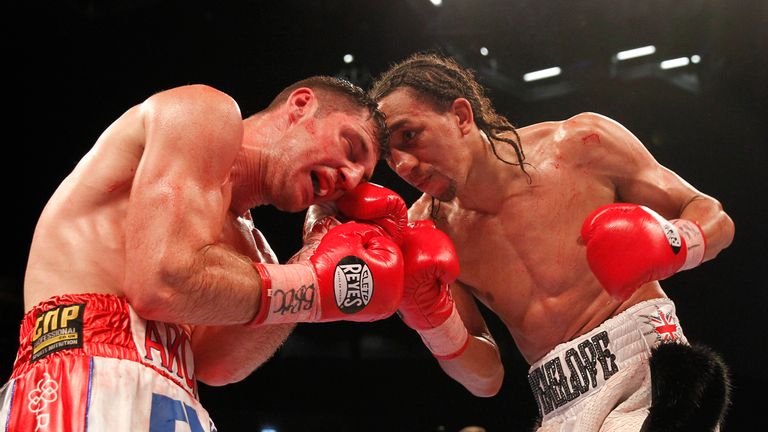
[[87, 362], [601, 381]]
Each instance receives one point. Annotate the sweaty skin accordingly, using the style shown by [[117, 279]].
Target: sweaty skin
[[517, 238], [158, 212]]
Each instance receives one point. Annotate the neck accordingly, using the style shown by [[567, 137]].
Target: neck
[[490, 181], [250, 187], [248, 181]]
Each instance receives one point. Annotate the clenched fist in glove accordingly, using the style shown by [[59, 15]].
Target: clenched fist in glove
[[368, 203], [629, 245], [317, 222], [378, 205], [355, 274], [431, 265]]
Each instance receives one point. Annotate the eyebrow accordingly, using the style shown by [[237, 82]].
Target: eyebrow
[[397, 125]]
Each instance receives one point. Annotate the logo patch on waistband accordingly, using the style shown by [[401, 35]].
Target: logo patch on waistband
[[58, 329], [665, 326]]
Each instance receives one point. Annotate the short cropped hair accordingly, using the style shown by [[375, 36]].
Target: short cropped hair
[[336, 94]]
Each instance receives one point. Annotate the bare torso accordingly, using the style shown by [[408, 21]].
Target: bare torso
[[525, 262], [79, 242]]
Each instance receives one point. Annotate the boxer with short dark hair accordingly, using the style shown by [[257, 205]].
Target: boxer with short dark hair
[[146, 272], [563, 229]]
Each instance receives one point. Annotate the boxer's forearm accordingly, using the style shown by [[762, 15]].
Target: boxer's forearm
[[478, 368], [228, 354], [214, 287], [716, 225]]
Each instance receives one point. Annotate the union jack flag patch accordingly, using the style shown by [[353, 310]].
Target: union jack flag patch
[[665, 326]]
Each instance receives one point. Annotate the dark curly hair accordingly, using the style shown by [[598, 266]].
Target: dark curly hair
[[336, 94], [440, 80]]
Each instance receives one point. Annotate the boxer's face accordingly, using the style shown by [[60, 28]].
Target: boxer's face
[[425, 145], [328, 156]]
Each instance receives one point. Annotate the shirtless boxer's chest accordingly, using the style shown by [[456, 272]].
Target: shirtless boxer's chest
[[79, 241], [524, 261]]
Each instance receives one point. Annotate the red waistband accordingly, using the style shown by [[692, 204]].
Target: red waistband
[[103, 325], [81, 324]]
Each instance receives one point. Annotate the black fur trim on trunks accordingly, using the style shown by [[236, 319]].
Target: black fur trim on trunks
[[691, 389]]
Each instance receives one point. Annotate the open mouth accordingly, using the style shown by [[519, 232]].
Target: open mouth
[[317, 186]]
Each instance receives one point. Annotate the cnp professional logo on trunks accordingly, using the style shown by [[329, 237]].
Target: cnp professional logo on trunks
[[58, 329], [352, 284]]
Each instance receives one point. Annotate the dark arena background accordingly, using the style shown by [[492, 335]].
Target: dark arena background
[[72, 67]]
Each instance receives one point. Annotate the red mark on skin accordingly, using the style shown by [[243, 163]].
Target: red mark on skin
[[116, 186], [591, 139], [310, 126]]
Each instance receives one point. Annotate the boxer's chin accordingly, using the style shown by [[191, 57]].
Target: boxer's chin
[[298, 201], [448, 193], [443, 189]]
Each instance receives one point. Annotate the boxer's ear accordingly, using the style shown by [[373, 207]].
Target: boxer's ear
[[462, 108], [300, 103]]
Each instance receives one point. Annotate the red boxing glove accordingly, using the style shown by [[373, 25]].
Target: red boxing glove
[[375, 204], [355, 274], [431, 265], [629, 245]]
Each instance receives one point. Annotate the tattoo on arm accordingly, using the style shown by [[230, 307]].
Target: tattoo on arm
[[294, 300]]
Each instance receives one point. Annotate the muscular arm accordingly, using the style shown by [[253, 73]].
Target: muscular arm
[[248, 347], [478, 368], [176, 269], [616, 153], [227, 354]]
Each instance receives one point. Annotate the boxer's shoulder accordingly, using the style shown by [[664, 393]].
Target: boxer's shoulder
[[191, 93], [191, 108]]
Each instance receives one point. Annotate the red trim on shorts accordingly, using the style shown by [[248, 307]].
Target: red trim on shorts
[[54, 398], [106, 329]]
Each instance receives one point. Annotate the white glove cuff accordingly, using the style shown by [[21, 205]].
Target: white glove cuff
[[695, 242], [289, 294], [449, 339]]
